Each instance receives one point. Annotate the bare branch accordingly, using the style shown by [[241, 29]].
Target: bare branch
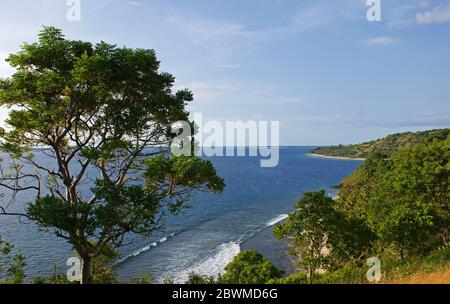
[[3, 212]]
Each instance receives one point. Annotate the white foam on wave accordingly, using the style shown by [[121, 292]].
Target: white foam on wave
[[213, 266], [146, 248], [276, 220]]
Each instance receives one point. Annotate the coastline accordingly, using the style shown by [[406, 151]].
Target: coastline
[[335, 157]]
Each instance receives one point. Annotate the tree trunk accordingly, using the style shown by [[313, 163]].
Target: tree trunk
[[445, 236], [310, 274], [86, 270]]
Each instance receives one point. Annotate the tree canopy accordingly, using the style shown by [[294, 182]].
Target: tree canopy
[[321, 236], [404, 198], [249, 267], [101, 115]]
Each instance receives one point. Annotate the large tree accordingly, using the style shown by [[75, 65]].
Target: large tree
[[100, 115]]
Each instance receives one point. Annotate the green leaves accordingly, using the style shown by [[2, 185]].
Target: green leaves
[[130, 208], [321, 236], [249, 267], [96, 108], [52, 212], [60, 81], [404, 198], [407, 226], [182, 171], [11, 265]]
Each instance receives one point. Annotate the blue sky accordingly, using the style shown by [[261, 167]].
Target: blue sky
[[319, 67]]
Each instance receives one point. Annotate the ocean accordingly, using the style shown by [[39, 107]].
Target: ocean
[[206, 236]]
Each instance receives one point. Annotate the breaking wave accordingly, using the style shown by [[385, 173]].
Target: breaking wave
[[212, 266], [276, 220], [146, 248]]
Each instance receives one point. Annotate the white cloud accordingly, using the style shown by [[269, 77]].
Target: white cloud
[[410, 12], [228, 37], [439, 14], [401, 15], [383, 40], [134, 3]]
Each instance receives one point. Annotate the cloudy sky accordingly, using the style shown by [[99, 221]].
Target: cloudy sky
[[319, 67]]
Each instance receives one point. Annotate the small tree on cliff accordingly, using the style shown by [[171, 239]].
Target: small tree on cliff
[[249, 267], [99, 115], [321, 236], [308, 228]]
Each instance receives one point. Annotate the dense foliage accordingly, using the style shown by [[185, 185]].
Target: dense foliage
[[393, 270], [395, 206], [385, 146], [403, 198], [249, 267]]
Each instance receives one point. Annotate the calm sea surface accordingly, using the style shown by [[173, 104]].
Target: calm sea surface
[[205, 237]]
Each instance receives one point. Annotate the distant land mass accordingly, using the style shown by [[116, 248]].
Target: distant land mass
[[383, 146]]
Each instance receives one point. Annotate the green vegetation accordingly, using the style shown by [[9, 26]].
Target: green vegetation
[[248, 267], [393, 269], [56, 278], [320, 236], [11, 265], [199, 279], [385, 146], [107, 109], [395, 206], [95, 108], [405, 198], [101, 270], [145, 278]]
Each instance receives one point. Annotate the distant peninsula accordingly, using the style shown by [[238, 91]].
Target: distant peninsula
[[384, 146]]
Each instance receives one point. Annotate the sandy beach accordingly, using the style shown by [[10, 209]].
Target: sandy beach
[[335, 157]]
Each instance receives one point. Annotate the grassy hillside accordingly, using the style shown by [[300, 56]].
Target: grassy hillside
[[383, 146], [433, 268], [437, 277]]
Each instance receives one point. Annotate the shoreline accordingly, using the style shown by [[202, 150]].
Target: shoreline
[[335, 157]]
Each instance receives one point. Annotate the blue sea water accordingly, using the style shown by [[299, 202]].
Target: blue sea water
[[205, 237]]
